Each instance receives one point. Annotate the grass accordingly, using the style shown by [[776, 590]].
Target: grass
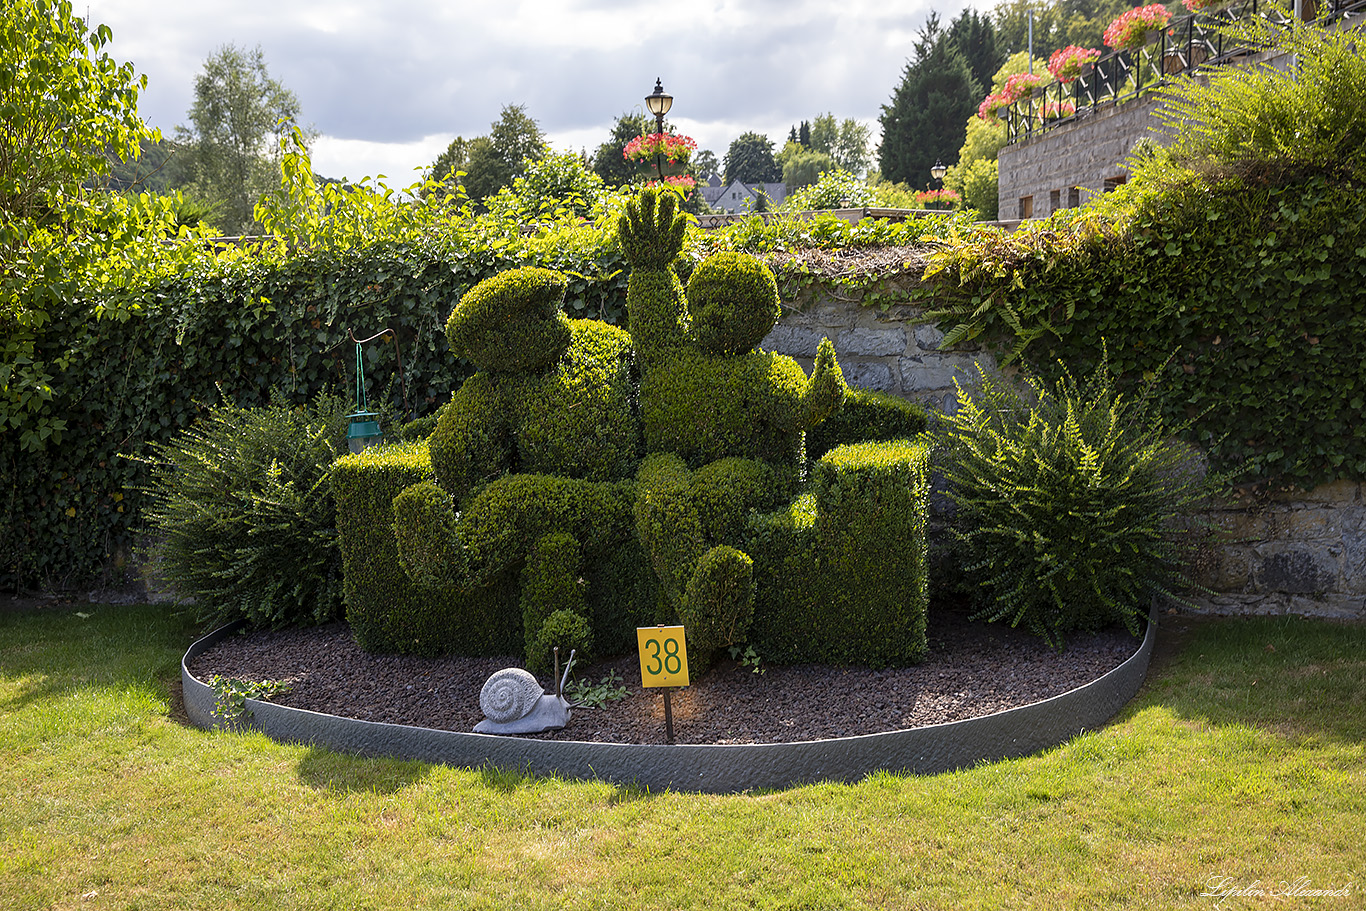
[[1243, 760]]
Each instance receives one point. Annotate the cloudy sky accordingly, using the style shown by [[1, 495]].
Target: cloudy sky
[[389, 83]]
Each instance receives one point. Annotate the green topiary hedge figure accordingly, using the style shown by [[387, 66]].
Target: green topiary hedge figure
[[585, 481], [531, 462], [725, 426]]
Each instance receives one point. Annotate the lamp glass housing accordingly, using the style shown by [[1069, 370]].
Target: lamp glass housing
[[659, 101]]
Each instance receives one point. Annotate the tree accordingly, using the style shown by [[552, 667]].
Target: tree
[[805, 167], [237, 119], [608, 161], [924, 122], [750, 160], [495, 161], [704, 164], [975, 37], [450, 163], [975, 176], [846, 143], [66, 104], [1057, 23]]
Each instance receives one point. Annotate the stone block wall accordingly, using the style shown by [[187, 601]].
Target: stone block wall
[[887, 350], [1065, 166], [1302, 553]]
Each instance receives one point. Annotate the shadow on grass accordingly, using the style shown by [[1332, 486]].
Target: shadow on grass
[[328, 770], [1293, 675], [508, 781], [63, 650]]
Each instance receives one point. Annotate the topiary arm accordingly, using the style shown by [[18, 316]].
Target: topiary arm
[[651, 231], [651, 235], [824, 392]]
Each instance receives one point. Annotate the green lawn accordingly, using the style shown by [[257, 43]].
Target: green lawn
[[1242, 761]]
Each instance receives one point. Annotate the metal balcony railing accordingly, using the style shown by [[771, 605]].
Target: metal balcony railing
[[1184, 45]]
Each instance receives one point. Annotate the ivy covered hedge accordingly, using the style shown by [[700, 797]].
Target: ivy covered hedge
[[231, 329], [1251, 299]]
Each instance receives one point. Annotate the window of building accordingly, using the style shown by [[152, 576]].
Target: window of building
[[1026, 207], [1073, 197], [1054, 200], [1114, 183]]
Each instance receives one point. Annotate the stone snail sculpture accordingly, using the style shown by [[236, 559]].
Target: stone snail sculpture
[[514, 702]]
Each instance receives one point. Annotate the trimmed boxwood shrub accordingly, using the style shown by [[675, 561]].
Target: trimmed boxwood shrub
[[866, 416], [732, 302], [825, 587], [578, 419], [386, 610], [511, 322]]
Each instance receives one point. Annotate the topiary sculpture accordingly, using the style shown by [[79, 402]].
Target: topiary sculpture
[[585, 481], [724, 421], [531, 462]]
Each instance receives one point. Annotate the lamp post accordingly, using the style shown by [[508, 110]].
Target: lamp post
[[937, 171], [658, 103]]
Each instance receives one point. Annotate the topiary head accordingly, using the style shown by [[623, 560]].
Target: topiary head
[[512, 321], [733, 302]]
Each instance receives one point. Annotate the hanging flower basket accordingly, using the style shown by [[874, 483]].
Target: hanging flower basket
[[1070, 62], [1134, 28], [669, 168], [672, 148], [1021, 85], [990, 105]]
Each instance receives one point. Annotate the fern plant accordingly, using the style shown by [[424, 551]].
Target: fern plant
[[241, 505], [1070, 503]]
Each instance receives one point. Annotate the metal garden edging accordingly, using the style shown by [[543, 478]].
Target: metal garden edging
[[709, 768]]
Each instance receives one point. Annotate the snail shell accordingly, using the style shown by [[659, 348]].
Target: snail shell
[[509, 694]]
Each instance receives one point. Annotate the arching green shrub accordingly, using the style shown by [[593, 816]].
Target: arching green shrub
[[1067, 503], [242, 507]]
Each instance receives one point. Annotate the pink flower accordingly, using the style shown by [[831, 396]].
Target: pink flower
[[682, 182], [1131, 29], [1066, 64], [937, 199], [1052, 110], [672, 146], [990, 105], [1021, 85]]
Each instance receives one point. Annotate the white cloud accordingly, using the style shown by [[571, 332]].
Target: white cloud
[[384, 80]]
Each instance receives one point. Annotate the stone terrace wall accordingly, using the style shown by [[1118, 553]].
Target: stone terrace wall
[[1303, 553], [887, 350]]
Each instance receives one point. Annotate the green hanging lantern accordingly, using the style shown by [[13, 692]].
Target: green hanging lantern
[[364, 430]]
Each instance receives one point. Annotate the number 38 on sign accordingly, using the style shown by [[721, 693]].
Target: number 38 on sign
[[663, 656]]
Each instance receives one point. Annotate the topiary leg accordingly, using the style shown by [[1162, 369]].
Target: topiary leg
[[424, 525], [718, 606], [552, 585]]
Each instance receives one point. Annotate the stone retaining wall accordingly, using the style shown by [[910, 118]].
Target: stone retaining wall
[[1302, 553], [887, 350]]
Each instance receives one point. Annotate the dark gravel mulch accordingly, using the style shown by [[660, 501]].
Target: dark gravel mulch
[[973, 669]]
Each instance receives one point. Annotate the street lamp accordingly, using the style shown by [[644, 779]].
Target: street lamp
[[938, 170], [658, 103]]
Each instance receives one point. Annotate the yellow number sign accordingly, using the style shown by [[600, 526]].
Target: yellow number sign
[[663, 656]]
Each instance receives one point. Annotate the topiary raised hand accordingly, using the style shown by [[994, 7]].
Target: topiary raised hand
[[651, 231], [651, 235]]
